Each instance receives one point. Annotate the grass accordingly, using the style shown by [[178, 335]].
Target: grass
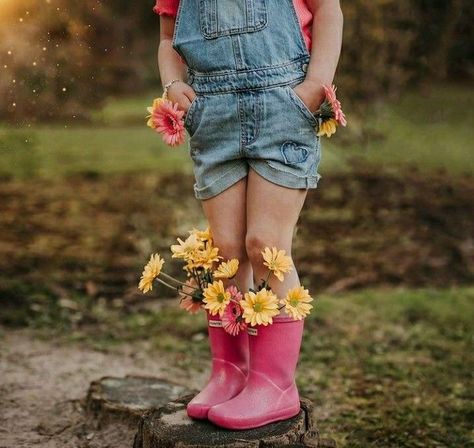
[[425, 130], [385, 368], [431, 129]]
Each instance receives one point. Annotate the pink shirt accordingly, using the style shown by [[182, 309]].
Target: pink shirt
[[305, 16]]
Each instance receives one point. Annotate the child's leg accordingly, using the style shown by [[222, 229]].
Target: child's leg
[[230, 354], [270, 393], [272, 213], [226, 214]]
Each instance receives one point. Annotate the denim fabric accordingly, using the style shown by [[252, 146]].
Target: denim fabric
[[244, 59]]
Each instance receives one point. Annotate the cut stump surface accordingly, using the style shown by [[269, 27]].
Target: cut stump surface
[[171, 427], [127, 398]]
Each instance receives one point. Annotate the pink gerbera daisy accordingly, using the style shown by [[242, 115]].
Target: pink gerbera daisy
[[234, 293], [167, 119], [335, 104], [232, 320], [188, 303]]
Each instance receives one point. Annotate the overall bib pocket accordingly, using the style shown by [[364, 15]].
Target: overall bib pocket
[[301, 105], [225, 17]]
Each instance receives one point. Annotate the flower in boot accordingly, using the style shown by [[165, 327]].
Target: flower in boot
[[260, 307], [232, 319], [297, 302], [203, 258], [216, 298], [235, 294], [186, 247], [189, 300], [151, 270], [203, 235], [227, 269], [167, 119], [277, 261], [327, 128]]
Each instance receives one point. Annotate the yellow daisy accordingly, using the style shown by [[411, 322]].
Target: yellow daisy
[[151, 123], [203, 235], [297, 302], [151, 270], [227, 269], [185, 248], [277, 261], [216, 298], [203, 258], [260, 307], [327, 128]]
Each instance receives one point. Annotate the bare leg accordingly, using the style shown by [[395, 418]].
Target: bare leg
[[226, 214], [230, 354], [272, 213]]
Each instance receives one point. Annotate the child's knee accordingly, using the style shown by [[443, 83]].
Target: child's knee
[[255, 244], [230, 247]]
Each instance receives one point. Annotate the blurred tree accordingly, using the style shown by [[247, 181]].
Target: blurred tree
[[378, 36], [60, 59]]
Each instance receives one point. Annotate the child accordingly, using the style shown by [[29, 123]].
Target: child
[[249, 76]]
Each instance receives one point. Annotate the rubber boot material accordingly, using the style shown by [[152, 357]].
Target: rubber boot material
[[271, 393], [229, 372]]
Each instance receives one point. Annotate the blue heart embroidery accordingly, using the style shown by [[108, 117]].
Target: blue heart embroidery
[[292, 153]]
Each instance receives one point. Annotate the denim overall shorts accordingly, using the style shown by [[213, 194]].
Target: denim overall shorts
[[244, 57]]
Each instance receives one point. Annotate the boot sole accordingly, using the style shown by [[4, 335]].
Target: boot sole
[[200, 414], [273, 417]]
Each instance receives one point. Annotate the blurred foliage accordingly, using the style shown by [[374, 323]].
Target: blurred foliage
[[389, 44], [61, 59], [88, 236]]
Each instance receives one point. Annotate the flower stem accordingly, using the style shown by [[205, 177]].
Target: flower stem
[[197, 278], [172, 278], [268, 276], [167, 284]]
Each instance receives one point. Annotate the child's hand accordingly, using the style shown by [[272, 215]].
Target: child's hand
[[181, 93], [312, 94]]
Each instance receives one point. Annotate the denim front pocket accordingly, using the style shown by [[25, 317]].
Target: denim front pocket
[[300, 104], [224, 17], [188, 118]]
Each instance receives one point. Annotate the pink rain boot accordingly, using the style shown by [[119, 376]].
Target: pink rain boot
[[230, 361], [270, 394]]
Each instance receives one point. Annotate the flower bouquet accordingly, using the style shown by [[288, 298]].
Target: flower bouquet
[[330, 113], [166, 118], [204, 287]]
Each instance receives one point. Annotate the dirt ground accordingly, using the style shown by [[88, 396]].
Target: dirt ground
[[43, 384]]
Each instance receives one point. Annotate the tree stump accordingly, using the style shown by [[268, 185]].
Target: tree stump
[[126, 399], [170, 426]]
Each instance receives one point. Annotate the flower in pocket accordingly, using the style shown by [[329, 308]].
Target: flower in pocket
[[330, 113], [167, 119], [327, 128]]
